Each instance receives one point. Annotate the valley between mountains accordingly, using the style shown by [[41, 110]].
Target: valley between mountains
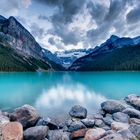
[[19, 51]]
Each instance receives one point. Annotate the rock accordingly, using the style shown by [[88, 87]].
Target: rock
[[58, 135], [108, 120], [133, 100], [36, 133], [135, 129], [97, 116], [126, 133], [43, 122], [78, 134], [78, 112], [119, 126], [12, 131], [134, 121], [89, 123], [133, 113], [76, 126], [106, 128], [112, 106], [68, 122], [121, 117], [114, 136], [26, 115], [94, 134], [3, 119], [99, 123]]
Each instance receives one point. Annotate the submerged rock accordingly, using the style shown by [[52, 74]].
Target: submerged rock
[[121, 117], [112, 106], [94, 134], [78, 112], [26, 115], [12, 131], [36, 133]]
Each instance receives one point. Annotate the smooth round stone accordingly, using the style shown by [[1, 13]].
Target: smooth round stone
[[126, 133], [36, 133], [43, 122], [133, 113], [88, 122], [119, 126], [135, 129], [112, 106], [76, 126], [26, 115], [95, 134], [121, 117], [134, 100], [12, 131], [58, 135], [78, 112]]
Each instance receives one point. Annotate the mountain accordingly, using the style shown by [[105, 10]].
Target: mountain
[[68, 57], [115, 54], [11, 60], [13, 34]]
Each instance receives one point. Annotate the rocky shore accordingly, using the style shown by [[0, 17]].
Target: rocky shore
[[116, 120]]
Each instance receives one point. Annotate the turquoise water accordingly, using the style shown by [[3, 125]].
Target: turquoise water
[[55, 93]]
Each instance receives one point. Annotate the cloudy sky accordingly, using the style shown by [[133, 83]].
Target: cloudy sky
[[72, 24]]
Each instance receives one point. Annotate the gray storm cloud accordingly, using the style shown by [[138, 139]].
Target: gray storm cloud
[[89, 22]]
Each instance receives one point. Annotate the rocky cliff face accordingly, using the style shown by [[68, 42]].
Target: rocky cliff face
[[15, 35], [19, 38]]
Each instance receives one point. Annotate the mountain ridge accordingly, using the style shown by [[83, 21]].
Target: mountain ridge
[[20, 39], [87, 63]]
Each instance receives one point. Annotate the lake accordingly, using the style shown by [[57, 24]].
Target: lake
[[54, 93]]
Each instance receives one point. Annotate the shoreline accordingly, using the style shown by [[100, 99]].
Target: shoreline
[[116, 120]]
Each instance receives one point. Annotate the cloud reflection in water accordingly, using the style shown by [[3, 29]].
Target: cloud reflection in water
[[61, 98]]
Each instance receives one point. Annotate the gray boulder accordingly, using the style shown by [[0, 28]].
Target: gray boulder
[[135, 129], [99, 123], [114, 136], [43, 122], [58, 135], [121, 117], [127, 134], [26, 115], [36, 133], [108, 120], [133, 100], [78, 112], [76, 126], [89, 123], [3, 119], [112, 106], [133, 113], [134, 121]]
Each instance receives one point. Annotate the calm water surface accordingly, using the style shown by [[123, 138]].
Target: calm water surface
[[53, 94]]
